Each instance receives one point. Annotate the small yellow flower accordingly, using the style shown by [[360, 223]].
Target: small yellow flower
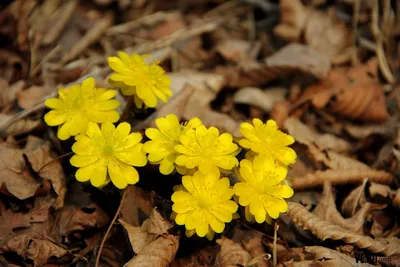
[[262, 189], [78, 105], [206, 149], [163, 140], [146, 82], [268, 140], [203, 204], [108, 153]]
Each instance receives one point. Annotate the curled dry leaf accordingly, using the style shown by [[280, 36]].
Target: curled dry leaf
[[204, 257], [210, 82], [151, 228], [396, 199], [326, 210], [13, 67], [252, 243], [71, 219], [331, 257], [363, 131], [307, 136], [354, 93], [36, 249], [8, 93], [136, 201], [11, 220], [263, 99], [322, 31], [231, 254], [327, 230], [17, 165], [33, 95], [159, 253], [290, 59], [354, 200], [351, 176], [237, 50], [19, 127]]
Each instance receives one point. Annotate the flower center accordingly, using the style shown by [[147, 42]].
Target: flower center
[[208, 152], [108, 151], [203, 204]]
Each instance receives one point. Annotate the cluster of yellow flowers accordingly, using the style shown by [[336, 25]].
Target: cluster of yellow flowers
[[203, 202]]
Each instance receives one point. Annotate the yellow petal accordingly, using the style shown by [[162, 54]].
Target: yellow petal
[[134, 156], [122, 131], [107, 129], [56, 117], [55, 103], [82, 161], [102, 116]]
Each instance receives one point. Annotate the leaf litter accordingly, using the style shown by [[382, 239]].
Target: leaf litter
[[321, 69]]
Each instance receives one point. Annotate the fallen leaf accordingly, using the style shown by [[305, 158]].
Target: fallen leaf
[[331, 257], [210, 82], [327, 230], [231, 254], [22, 126], [151, 228], [33, 95], [159, 253], [38, 250], [263, 99], [326, 210], [292, 58], [71, 219], [252, 243], [136, 201], [322, 31], [396, 199], [8, 93], [354, 93], [204, 257], [13, 67], [307, 136], [237, 50]]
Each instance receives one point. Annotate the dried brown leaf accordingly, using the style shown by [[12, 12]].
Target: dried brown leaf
[[237, 50], [13, 67], [204, 257], [151, 228], [307, 136], [396, 199], [354, 200], [322, 31], [159, 253], [209, 82], [263, 99], [231, 254], [326, 230], [136, 201], [38, 250], [326, 210], [354, 93], [8, 93], [32, 96], [291, 59], [252, 243], [19, 127], [346, 176], [42, 161], [72, 218]]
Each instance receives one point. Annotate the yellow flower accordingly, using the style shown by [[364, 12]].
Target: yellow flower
[[204, 203], [268, 140], [146, 82], [206, 149], [108, 153], [262, 189], [163, 140], [78, 105]]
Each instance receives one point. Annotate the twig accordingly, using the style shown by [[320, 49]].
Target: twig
[[350, 176], [54, 160], [109, 228], [274, 254]]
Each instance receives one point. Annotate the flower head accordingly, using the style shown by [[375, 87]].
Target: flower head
[[78, 105], [204, 203], [268, 140], [206, 149], [262, 189], [146, 82], [163, 140], [108, 153]]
